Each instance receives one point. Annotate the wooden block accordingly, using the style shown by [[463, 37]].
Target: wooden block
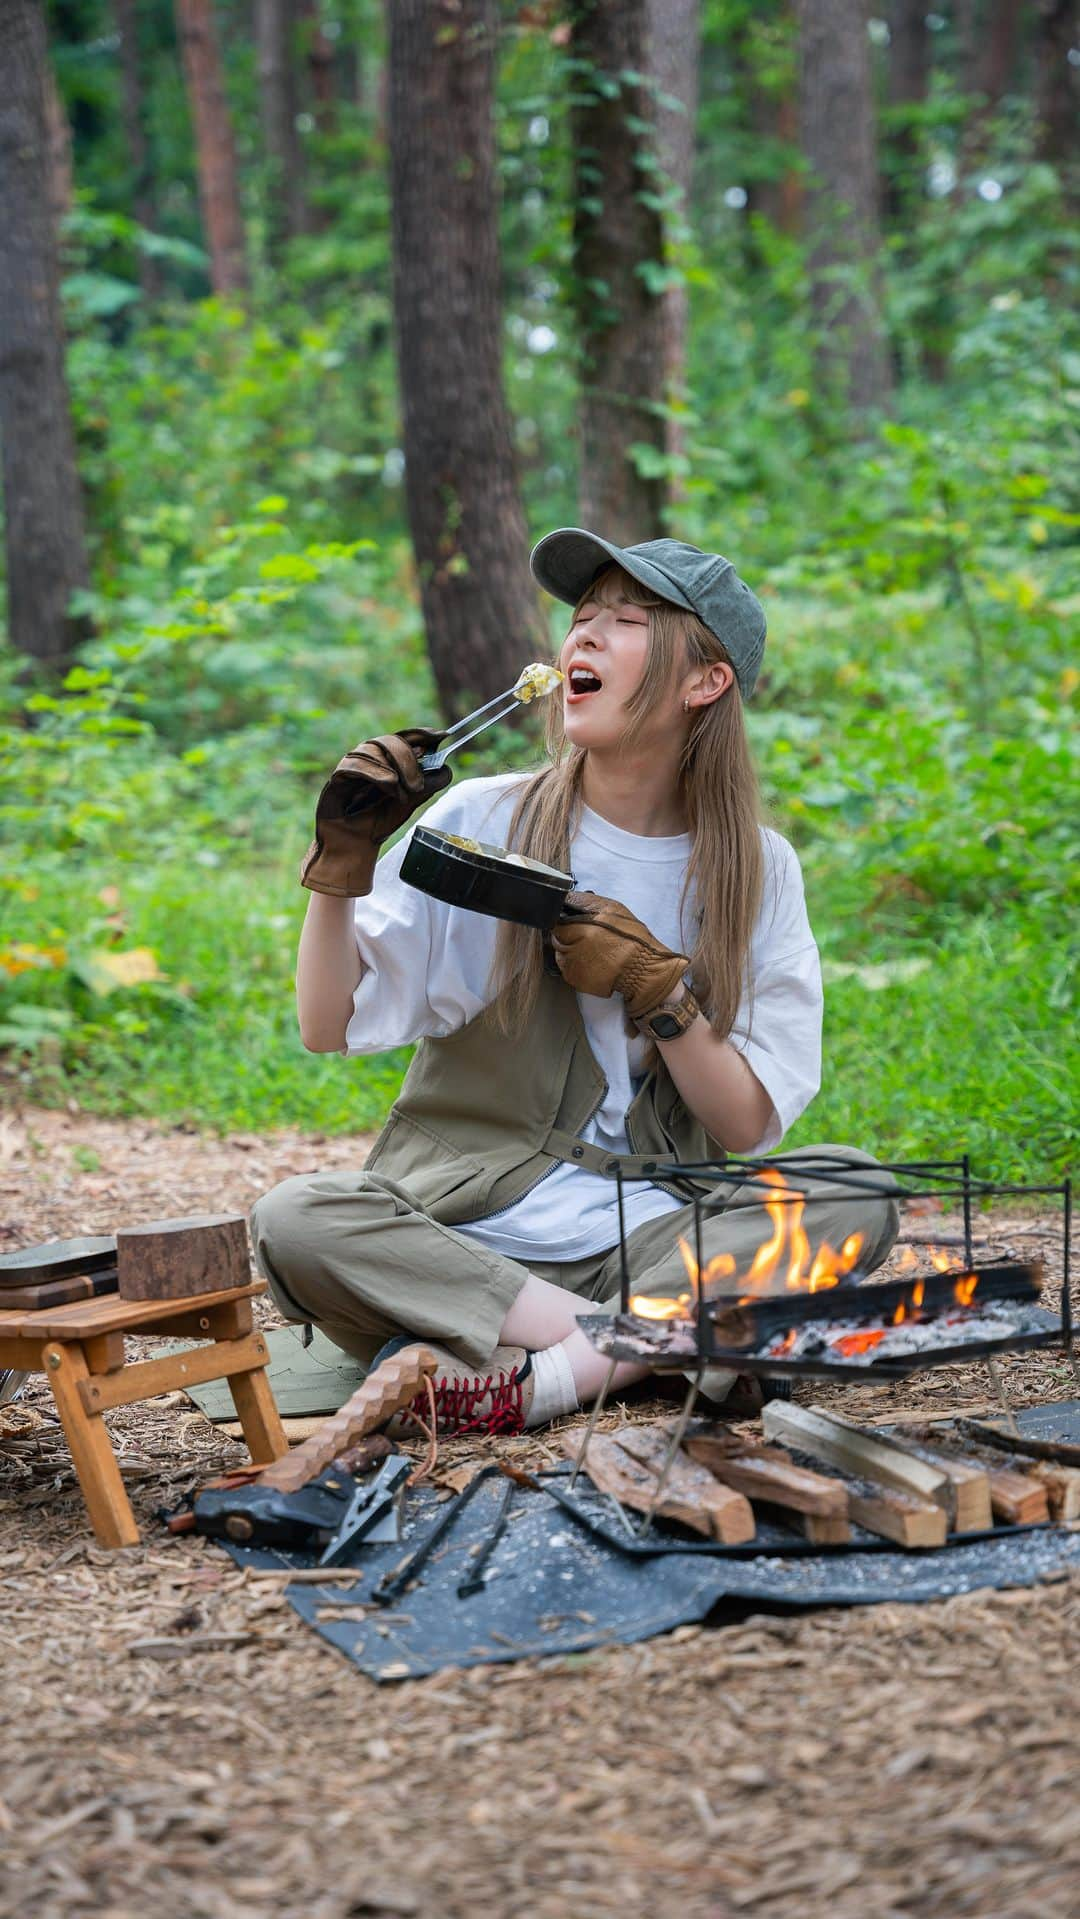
[[974, 1512], [764, 1472], [1016, 1499], [689, 1495], [723, 1514], [819, 1531], [912, 1523], [181, 1258], [727, 1511], [867, 1455]]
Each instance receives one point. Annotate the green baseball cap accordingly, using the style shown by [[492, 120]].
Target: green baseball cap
[[567, 562]]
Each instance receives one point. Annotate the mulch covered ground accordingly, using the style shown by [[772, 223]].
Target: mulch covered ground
[[896, 1761]]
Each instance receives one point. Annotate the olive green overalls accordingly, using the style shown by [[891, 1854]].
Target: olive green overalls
[[480, 1119]]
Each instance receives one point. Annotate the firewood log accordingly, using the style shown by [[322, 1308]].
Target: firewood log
[[691, 1494], [1016, 1497], [974, 1513], [867, 1455], [815, 1505]]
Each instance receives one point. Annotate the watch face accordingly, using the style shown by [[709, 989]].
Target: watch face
[[665, 1026]]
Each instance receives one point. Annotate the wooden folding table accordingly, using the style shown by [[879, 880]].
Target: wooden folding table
[[80, 1349]]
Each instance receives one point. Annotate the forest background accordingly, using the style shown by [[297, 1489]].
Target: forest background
[[285, 486]]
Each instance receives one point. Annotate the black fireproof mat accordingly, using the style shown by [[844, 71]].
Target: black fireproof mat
[[555, 1587]]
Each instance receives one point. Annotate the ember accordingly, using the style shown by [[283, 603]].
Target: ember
[[849, 1345]]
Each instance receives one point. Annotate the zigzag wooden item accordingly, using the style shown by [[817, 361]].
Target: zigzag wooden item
[[388, 1390]]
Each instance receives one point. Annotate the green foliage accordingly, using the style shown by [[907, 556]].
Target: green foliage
[[256, 608]]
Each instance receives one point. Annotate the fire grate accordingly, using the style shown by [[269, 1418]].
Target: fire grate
[[819, 1326], [832, 1323]]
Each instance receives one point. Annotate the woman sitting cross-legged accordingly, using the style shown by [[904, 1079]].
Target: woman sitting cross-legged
[[678, 1016]]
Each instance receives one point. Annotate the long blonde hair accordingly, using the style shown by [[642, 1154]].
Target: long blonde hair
[[725, 872]]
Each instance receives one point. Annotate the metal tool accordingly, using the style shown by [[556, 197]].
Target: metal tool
[[310, 1496], [372, 1512], [533, 683]]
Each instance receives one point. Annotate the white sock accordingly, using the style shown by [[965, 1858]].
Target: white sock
[[554, 1390]]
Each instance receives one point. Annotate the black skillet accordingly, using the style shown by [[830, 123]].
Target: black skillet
[[486, 879]]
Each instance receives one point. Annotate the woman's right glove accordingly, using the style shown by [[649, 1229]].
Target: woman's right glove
[[369, 794]]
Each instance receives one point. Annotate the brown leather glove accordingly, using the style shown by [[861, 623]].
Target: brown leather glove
[[601, 948], [369, 794]]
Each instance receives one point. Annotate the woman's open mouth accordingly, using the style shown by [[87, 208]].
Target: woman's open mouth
[[581, 682]]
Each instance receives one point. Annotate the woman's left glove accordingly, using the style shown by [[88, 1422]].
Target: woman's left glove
[[601, 948]]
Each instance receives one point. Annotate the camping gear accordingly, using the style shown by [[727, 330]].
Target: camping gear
[[487, 879]]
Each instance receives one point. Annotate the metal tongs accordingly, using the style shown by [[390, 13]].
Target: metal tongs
[[533, 683]]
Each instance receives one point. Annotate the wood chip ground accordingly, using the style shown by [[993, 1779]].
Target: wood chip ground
[[175, 1742]]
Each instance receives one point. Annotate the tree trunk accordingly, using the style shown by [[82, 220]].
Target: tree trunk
[[319, 53], [674, 60], [836, 111], [480, 605], [998, 46], [1057, 92], [762, 55], [219, 192], [275, 23], [58, 136], [44, 530], [617, 240], [908, 84], [143, 197]]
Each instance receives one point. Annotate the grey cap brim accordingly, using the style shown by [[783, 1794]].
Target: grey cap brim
[[566, 563]]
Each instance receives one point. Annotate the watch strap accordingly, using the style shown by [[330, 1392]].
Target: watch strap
[[670, 1018]]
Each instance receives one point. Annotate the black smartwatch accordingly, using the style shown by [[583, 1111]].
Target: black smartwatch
[[670, 1018]]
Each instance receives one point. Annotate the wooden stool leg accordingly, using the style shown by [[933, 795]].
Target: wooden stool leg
[[91, 1448], [256, 1409]]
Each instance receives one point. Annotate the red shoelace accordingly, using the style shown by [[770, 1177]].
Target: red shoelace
[[457, 1402]]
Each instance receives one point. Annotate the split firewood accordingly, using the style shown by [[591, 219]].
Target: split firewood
[[815, 1505], [867, 1455], [1062, 1452], [912, 1523], [649, 1446], [971, 1482], [691, 1495], [1060, 1478], [1017, 1497]]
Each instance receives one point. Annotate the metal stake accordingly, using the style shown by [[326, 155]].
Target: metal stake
[[624, 1262], [681, 1424], [598, 1408], [1002, 1398], [968, 1248]]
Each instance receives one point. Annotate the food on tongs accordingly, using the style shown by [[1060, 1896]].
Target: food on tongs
[[533, 683]]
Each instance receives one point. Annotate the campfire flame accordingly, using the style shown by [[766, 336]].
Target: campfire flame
[[788, 1249], [908, 1259], [786, 1252]]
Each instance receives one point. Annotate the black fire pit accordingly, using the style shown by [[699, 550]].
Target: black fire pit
[[854, 1331]]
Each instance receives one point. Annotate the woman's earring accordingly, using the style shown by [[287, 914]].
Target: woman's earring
[[686, 704]]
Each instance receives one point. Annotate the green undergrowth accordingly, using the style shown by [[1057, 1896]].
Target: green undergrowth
[[148, 935]]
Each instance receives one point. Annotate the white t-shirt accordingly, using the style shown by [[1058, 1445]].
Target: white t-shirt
[[428, 971]]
